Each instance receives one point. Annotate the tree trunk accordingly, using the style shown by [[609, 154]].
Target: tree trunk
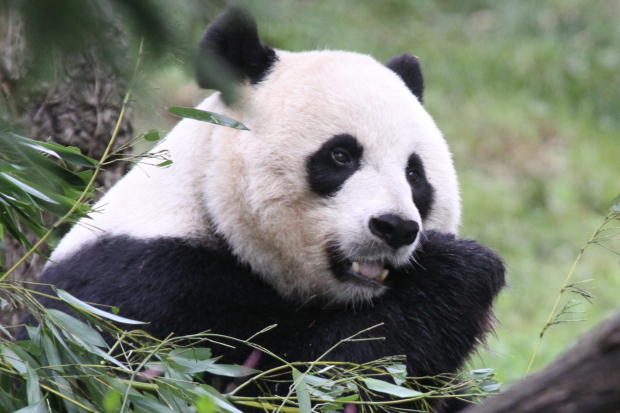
[[586, 379], [79, 107]]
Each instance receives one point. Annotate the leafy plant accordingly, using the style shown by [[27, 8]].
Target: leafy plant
[[601, 236], [66, 366]]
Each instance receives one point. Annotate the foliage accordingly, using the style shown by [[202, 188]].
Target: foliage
[[66, 366], [30, 183]]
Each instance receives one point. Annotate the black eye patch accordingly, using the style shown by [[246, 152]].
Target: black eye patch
[[422, 190], [334, 163]]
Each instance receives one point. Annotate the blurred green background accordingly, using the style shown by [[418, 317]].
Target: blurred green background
[[527, 94]]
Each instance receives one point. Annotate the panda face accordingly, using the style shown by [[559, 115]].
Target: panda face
[[342, 172], [340, 176]]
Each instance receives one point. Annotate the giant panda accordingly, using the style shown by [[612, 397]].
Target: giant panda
[[336, 211]]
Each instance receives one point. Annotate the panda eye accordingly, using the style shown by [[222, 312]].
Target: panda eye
[[341, 157], [413, 176]]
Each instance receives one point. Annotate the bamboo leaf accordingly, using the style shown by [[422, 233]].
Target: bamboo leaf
[[615, 205], [200, 353], [27, 188], [205, 404], [480, 374], [32, 384], [205, 116], [183, 365], [6, 332], [303, 395], [65, 296], [491, 387], [69, 154], [388, 388], [38, 407], [152, 135], [77, 328], [399, 373], [206, 390], [14, 360], [231, 370]]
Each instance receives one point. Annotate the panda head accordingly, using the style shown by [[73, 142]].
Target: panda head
[[342, 171]]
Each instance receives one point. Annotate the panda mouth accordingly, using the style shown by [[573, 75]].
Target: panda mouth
[[369, 272], [373, 270]]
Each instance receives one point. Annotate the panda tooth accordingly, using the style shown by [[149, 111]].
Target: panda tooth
[[383, 275], [356, 266]]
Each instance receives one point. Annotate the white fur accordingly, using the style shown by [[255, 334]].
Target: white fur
[[253, 185]]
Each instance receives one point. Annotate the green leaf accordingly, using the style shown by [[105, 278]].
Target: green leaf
[[77, 328], [112, 401], [199, 353], [388, 388], [205, 116], [351, 398], [164, 164], [65, 296], [5, 331], [32, 385], [8, 403], [69, 154], [9, 168], [615, 205], [14, 360], [149, 405], [54, 359], [399, 373], [38, 407], [491, 387], [319, 382], [231, 370], [187, 366], [480, 374], [205, 404], [97, 351], [152, 135], [27, 188], [206, 390], [303, 395]]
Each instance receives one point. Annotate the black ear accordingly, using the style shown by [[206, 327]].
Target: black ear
[[408, 68], [231, 51]]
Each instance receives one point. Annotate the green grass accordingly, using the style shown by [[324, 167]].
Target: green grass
[[528, 95]]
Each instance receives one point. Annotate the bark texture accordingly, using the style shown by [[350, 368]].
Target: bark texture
[[584, 379]]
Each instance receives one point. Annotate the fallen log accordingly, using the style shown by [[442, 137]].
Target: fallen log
[[585, 379]]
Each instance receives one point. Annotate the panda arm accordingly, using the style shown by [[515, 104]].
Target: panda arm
[[175, 285], [435, 312]]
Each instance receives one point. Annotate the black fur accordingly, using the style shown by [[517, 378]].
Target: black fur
[[325, 175], [407, 66], [231, 51], [422, 190], [434, 312]]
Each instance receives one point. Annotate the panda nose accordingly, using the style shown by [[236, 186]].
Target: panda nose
[[394, 230]]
